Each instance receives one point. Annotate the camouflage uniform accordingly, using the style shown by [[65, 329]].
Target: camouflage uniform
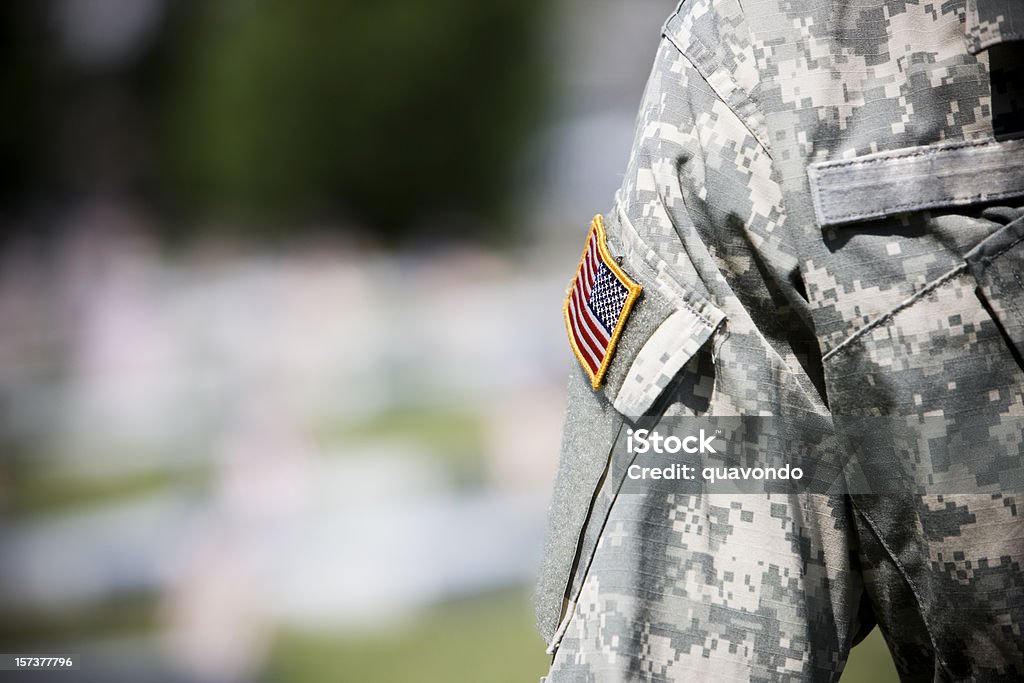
[[820, 207]]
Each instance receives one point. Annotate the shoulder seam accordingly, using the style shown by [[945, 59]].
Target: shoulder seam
[[705, 74]]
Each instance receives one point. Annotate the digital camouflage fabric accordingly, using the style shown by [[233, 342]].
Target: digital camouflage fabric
[[823, 217]]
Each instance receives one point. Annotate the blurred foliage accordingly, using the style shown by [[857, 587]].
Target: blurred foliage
[[37, 630], [870, 662], [394, 115], [489, 639], [39, 491], [20, 118], [394, 112]]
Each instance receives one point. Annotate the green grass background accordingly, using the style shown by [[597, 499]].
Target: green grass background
[[484, 640]]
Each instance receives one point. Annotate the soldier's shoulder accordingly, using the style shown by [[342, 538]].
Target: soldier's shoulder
[[715, 37]]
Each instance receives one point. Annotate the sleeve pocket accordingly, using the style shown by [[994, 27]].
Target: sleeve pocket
[[663, 331]]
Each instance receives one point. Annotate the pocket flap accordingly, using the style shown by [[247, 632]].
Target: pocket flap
[[933, 176], [663, 355]]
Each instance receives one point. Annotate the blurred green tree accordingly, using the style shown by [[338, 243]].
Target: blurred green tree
[[20, 121], [391, 112]]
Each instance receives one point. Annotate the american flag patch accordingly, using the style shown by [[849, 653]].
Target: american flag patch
[[597, 305]]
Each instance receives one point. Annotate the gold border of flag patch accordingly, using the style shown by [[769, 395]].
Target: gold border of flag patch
[[597, 226]]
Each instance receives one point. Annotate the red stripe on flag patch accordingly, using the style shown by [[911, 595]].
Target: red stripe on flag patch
[[597, 304]]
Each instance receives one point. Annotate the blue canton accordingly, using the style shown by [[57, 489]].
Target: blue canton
[[607, 297]]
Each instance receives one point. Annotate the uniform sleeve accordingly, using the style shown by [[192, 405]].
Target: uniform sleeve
[[627, 581]]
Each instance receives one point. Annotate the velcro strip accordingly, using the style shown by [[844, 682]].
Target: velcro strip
[[916, 178]]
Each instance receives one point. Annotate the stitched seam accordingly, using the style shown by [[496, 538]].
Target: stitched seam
[[946, 201], [1011, 245], [1010, 300], [731, 108], [910, 584], [930, 150], [675, 13], [705, 56], [928, 289], [570, 609]]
